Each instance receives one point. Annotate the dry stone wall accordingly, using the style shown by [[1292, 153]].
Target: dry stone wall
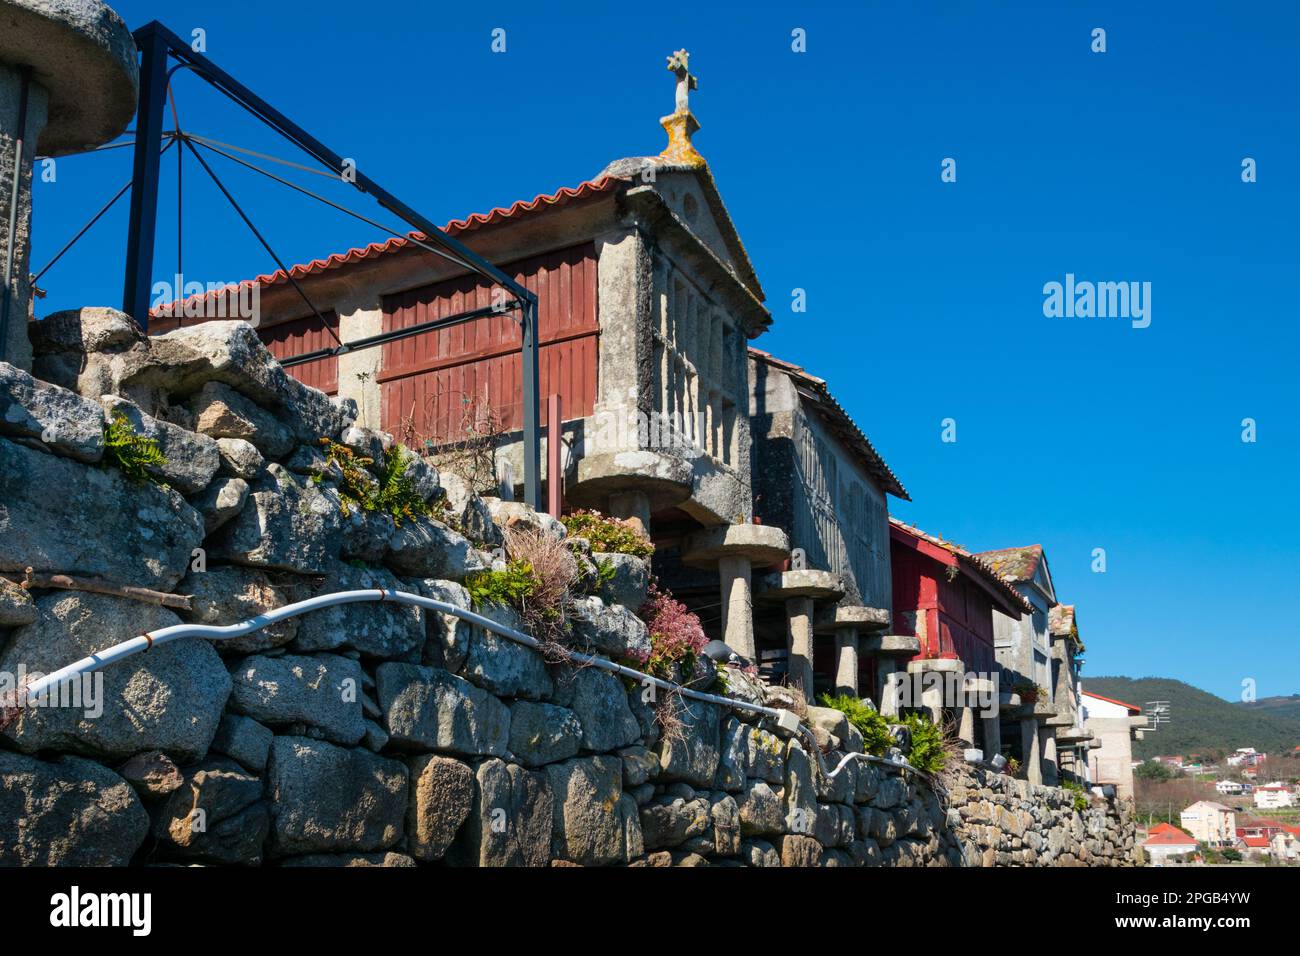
[[378, 734]]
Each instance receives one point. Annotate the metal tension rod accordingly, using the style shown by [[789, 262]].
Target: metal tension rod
[[156, 42], [394, 335], [171, 141], [257, 233]]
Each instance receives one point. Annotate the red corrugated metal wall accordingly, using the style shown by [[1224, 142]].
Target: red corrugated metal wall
[[429, 377], [306, 335]]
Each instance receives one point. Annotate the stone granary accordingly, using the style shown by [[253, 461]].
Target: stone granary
[[1023, 646], [820, 478], [945, 602], [648, 301], [68, 80], [1073, 736]]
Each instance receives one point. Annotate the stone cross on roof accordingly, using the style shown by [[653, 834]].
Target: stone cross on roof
[[681, 125], [679, 63]]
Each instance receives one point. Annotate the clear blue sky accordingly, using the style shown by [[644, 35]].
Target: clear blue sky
[[925, 298]]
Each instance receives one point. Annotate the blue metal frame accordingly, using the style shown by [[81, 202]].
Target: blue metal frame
[[156, 43]]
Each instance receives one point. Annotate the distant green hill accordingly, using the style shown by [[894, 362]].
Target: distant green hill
[[1201, 722], [1288, 707]]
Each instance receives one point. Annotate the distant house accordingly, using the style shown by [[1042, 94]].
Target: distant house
[[1285, 845], [1229, 788], [1245, 756], [1166, 842], [1210, 823], [1260, 828], [1253, 846], [1274, 796]]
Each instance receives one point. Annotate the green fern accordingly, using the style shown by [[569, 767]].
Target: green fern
[[132, 453], [395, 494]]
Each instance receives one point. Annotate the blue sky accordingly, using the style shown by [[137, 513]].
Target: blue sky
[[924, 297]]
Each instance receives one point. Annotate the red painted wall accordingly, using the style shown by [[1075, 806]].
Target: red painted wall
[[429, 377], [958, 613], [306, 335]]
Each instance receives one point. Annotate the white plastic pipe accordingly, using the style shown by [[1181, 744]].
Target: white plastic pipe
[[136, 645]]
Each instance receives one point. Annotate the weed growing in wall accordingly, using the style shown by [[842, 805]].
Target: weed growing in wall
[[387, 489], [130, 452], [510, 586], [539, 581], [1080, 795], [929, 753]]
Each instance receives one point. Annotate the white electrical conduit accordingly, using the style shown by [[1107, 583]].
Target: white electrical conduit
[[102, 659]]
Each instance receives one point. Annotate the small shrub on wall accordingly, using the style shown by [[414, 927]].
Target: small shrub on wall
[[676, 637], [608, 535], [869, 722]]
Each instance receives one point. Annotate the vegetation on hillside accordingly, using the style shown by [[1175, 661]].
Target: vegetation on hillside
[[1199, 722], [1285, 707]]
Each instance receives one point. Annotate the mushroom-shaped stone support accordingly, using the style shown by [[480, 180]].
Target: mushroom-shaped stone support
[[68, 82], [735, 550], [848, 622], [1073, 735], [932, 688], [83, 56], [798, 590], [889, 649], [980, 700]]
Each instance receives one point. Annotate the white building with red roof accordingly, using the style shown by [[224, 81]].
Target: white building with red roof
[[1166, 842], [1114, 725]]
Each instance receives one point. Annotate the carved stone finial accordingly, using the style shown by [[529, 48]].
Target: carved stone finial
[[681, 124]]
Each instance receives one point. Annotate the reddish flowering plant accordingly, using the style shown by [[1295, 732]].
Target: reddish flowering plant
[[676, 636]]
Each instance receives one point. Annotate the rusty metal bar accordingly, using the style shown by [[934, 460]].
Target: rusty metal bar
[[554, 472]]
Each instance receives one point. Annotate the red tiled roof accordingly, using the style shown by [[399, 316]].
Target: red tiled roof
[[1015, 564], [1111, 700], [1170, 837], [985, 569], [1256, 842], [456, 227], [848, 429]]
